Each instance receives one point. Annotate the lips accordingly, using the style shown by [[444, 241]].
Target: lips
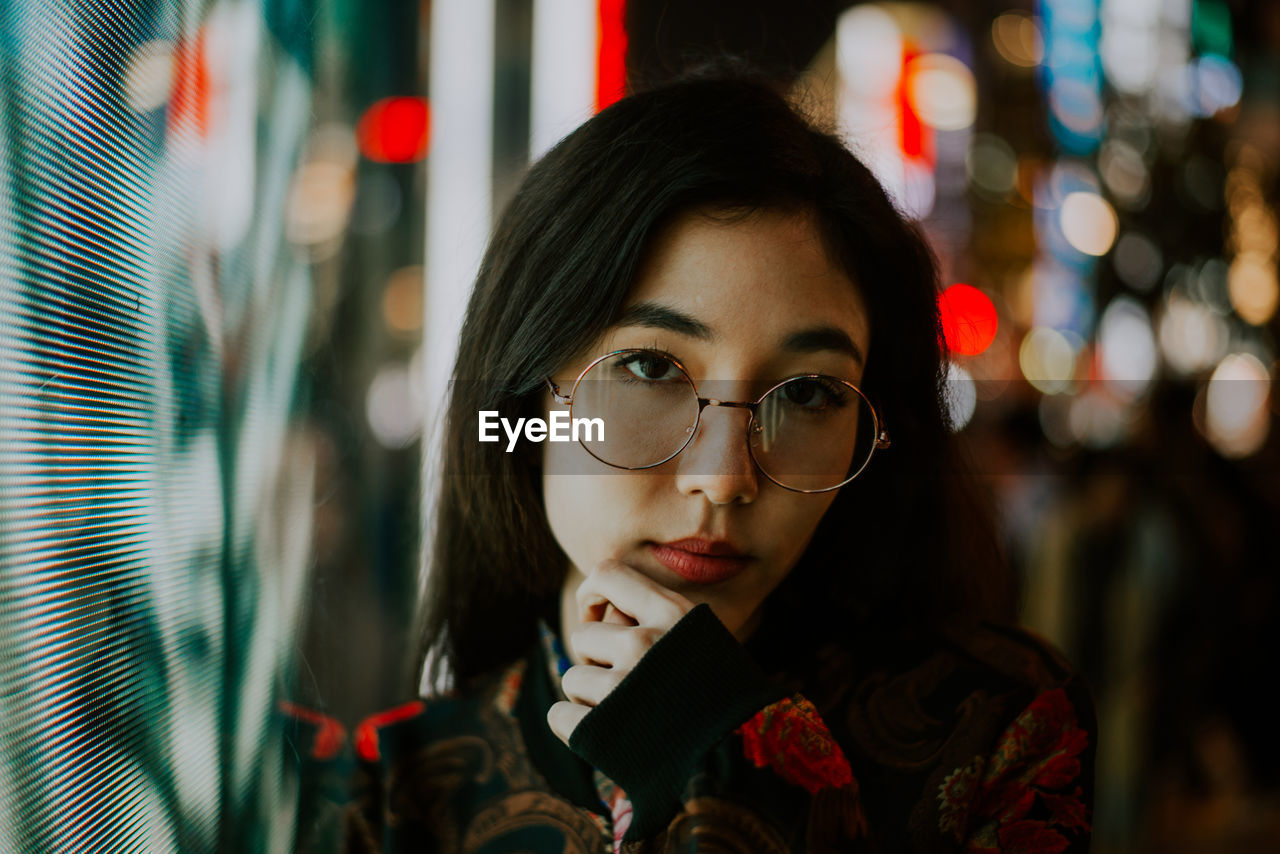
[[700, 561]]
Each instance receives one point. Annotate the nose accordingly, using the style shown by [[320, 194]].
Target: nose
[[717, 464]]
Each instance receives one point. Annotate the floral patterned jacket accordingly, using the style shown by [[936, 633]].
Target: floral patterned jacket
[[980, 739]]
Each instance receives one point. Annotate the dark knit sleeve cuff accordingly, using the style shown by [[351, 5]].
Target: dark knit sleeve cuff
[[692, 689]]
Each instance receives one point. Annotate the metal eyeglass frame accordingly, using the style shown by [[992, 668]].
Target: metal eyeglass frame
[[881, 432]]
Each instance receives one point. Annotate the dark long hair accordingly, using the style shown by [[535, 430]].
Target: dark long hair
[[902, 546]]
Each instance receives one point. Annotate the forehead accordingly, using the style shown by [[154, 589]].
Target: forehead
[[762, 274]]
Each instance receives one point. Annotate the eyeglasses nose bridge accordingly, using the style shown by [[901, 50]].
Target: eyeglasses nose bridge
[[753, 425], [704, 402]]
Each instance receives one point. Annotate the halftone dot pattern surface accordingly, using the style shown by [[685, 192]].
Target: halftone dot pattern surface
[[146, 591]]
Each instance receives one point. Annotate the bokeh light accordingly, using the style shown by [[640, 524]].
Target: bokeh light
[[1209, 284], [395, 130], [318, 204], [148, 76], [869, 51], [1097, 419], [1237, 417], [1125, 173], [919, 190], [1068, 175], [1254, 234], [942, 91], [1060, 298], [393, 406], [1088, 223], [1252, 287], [402, 300], [1047, 358], [320, 199], [1255, 229], [969, 319], [991, 165], [1192, 336], [1138, 261], [1215, 84], [962, 396], [1127, 356], [1211, 27], [1130, 44], [1017, 39], [1078, 106]]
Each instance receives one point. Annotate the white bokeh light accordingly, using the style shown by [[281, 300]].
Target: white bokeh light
[[1192, 336], [1048, 359], [869, 51], [942, 91], [1237, 416], [1088, 222], [1127, 348], [962, 396], [148, 76], [393, 406]]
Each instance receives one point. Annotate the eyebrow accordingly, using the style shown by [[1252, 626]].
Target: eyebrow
[[652, 315], [821, 338]]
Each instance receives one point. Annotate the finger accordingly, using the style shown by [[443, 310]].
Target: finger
[[613, 615], [632, 593], [593, 608], [563, 718], [589, 685], [612, 645]]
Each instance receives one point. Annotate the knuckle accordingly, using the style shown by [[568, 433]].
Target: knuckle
[[650, 637], [672, 608], [586, 594], [640, 640], [635, 645]]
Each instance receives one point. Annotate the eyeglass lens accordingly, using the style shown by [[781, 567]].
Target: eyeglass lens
[[810, 433]]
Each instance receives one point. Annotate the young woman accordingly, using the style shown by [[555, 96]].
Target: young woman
[[761, 612]]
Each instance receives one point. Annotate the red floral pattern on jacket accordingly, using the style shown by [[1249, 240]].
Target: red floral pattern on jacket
[[790, 737], [1036, 762]]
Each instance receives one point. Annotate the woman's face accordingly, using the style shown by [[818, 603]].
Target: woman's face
[[742, 303]]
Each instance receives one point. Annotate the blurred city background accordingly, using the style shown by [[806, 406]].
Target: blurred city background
[[235, 243]]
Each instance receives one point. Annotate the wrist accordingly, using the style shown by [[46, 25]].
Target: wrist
[[694, 687]]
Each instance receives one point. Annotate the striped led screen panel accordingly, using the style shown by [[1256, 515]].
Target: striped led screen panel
[[154, 492]]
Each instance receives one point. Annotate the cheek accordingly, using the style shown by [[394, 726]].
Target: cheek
[[568, 492], [588, 513], [563, 495]]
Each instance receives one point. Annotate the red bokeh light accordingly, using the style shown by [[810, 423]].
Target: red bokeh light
[[192, 88], [913, 136], [968, 319], [611, 52], [395, 130]]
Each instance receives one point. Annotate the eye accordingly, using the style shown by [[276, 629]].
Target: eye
[[814, 393], [650, 367]]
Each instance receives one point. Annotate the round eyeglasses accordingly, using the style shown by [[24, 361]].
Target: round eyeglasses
[[808, 433]]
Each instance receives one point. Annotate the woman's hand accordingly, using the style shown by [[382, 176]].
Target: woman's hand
[[623, 613]]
